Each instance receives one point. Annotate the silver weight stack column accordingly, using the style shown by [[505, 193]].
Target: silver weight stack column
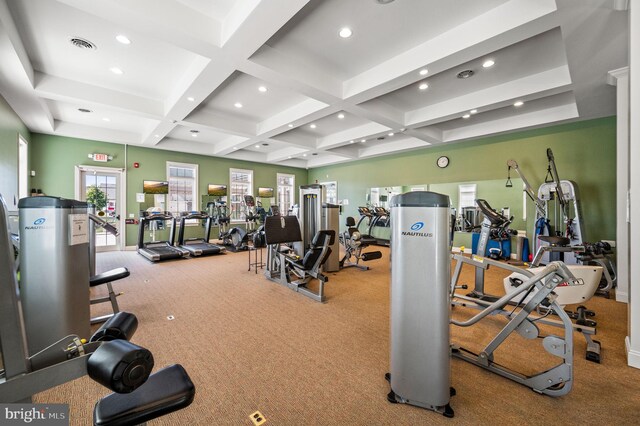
[[420, 306], [54, 269], [331, 221]]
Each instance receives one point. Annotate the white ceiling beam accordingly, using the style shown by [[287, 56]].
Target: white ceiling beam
[[220, 123], [61, 89], [17, 77], [251, 23], [521, 121], [359, 132], [231, 145], [285, 153], [327, 159], [297, 114], [377, 149], [64, 128], [554, 79], [387, 76], [187, 29]]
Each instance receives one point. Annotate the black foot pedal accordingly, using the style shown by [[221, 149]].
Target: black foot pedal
[[391, 397], [452, 391], [593, 352], [387, 377], [448, 411]]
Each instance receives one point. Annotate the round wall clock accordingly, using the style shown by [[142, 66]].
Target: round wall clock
[[443, 162]]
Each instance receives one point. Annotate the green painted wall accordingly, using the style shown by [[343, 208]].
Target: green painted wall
[[10, 127], [54, 159], [584, 152]]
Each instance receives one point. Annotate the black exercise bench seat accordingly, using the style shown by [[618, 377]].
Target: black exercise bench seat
[[109, 276], [166, 391]]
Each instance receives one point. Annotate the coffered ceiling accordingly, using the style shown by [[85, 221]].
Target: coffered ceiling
[[274, 80]]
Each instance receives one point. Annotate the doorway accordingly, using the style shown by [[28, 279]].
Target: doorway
[[103, 185]]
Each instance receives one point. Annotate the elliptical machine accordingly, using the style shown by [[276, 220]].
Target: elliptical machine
[[234, 239]]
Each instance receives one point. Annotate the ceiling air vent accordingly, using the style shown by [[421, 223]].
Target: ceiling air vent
[[81, 43], [84, 110], [380, 138], [465, 74]]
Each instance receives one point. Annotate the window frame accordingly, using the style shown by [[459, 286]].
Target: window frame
[[230, 193], [23, 167], [293, 190], [195, 167]]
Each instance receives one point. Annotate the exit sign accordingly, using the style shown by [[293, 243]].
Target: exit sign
[[100, 157]]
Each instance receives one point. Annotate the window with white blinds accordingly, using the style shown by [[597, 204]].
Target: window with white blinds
[[183, 187], [286, 196], [241, 185]]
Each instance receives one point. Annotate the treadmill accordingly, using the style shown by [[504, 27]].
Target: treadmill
[[198, 246], [157, 251]]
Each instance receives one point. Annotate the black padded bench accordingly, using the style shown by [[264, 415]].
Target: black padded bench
[[107, 278], [166, 391]]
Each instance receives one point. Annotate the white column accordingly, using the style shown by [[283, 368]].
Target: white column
[[633, 340], [620, 79]]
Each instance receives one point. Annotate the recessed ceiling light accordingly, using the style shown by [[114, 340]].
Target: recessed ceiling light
[[466, 116], [345, 32], [237, 105], [304, 155], [123, 39], [351, 141], [488, 63], [423, 86], [85, 110], [341, 116], [290, 125], [391, 134], [313, 126], [157, 136], [195, 135], [235, 148], [518, 104], [289, 157], [363, 140], [257, 146], [191, 99], [262, 89], [116, 70], [106, 119], [473, 111], [424, 71]]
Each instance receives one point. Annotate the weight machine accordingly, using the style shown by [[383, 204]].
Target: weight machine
[[108, 357], [420, 314], [316, 215]]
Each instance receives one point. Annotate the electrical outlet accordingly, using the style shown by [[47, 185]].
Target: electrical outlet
[[257, 418]]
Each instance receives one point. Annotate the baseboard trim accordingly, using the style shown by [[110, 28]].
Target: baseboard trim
[[130, 248], [633, 357], [622, 297]]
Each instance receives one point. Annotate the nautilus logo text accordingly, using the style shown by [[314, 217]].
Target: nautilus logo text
[[414, 231], [417, 226], [39, 221]]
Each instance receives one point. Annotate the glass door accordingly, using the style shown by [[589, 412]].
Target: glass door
[[103, 190]]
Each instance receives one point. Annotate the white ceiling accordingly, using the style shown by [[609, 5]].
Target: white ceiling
[[190, 61]]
